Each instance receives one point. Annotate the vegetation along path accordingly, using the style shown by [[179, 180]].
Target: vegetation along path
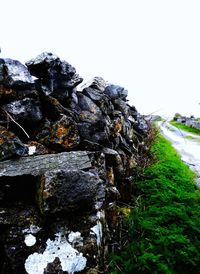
[[164, 223]]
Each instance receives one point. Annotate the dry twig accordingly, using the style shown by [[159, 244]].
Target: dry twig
[[11, 118]]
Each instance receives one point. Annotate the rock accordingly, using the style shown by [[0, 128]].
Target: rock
[[14, 74], [8, 95], [71, 191], [114, 161], [100, 99], [15, 249], [96, 131], [18, 215], [38, 165], [128, 131], [56, 78], [121, 106], [97, 83], [93, 94], [57, 109], [86, 104], [46, 64], [10, 145], [62, 134], [36, 148], [54, 267], [141, 125], [26, 110], [115, 92], [88, 117]]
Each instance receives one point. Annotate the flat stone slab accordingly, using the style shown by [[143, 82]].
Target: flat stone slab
[[38, 165]]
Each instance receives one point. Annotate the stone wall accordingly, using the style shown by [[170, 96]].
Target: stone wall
[[189, 121], [67, 160]]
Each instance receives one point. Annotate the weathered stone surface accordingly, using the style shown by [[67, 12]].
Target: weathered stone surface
[[71, 191], [87, 104], [10, 145], [38, 165], [26, 110], [88, 117], [114, 161], [121, 106], [44, 65], [56, 78], [95, 131], [61, 134], [115, 92], [97, 83], [54, 267], [94, 94], [8, 94], [14, 74], [18, 216], [36, 148]]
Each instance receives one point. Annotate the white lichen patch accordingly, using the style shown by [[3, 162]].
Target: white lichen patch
[[32, 229], [71, 260], [75, 238], [31, 150], [101, 214], [98, 229], [30, 240]]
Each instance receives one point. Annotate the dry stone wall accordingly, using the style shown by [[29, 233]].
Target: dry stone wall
[[67, 158]]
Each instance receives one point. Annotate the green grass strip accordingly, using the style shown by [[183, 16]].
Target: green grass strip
[[186, 128], [164, 225]]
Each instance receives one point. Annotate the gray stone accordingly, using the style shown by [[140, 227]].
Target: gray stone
[[121, 106], [24, 110], [61, 134], [87, 104], [93, 94], [38, 165], [14, 74], [71, 191], [10, 145], [115, 92], [97, 83], [56, 77]]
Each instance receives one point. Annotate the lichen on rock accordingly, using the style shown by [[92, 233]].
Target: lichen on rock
[[71, 260]]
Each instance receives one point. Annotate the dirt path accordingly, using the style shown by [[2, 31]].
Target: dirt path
[[186, 144]]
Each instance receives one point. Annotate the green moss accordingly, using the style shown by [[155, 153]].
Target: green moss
[[164, 225], [186, 128]]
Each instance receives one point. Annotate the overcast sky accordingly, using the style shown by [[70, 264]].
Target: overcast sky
[[151, 47]]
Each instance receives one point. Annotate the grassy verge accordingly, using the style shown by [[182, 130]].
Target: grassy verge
[[192, 138], [164, 225], [186, 128]]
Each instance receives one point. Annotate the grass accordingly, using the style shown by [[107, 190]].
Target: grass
[[164, 224], [186, 128], [192, 138]]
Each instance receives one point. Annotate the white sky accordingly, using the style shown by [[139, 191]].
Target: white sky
[[151, 47]]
